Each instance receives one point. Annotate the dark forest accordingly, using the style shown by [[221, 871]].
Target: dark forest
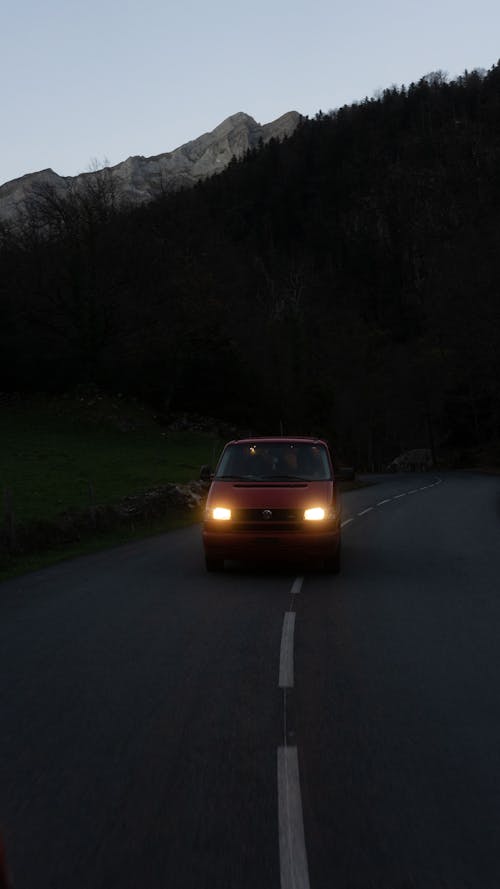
[[344, 282]]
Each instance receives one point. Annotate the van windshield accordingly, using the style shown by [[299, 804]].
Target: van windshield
[[275, 461]]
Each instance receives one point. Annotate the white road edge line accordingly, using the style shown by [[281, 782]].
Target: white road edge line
[[297, 586], [364, 511], [346, 522], [415, 491], [286, 651], [294, 871], [381, 502]]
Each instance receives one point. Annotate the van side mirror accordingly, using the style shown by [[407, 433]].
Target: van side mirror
[[345, 474], [205, 473]]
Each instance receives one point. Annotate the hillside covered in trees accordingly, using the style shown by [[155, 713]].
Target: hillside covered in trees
[[345, 281]]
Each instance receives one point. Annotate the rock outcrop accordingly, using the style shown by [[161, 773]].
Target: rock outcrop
[[140, 179], [416, 460]]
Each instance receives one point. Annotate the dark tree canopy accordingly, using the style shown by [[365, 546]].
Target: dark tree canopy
[[344, 281]]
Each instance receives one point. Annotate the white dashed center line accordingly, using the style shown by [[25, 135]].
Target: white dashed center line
[[346, 522], [364, 511], [400, 495], [286, 651], [294, 871], [381, 502]]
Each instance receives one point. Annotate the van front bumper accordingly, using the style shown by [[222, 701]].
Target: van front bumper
[[270, 545]]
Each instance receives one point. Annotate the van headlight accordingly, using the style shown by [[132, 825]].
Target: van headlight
[[316, 514], [221, 514]]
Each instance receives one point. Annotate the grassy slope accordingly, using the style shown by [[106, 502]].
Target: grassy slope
[[64, 454], [61, 454]]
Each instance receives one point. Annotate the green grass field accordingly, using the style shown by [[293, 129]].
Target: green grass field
[[72, 453], [69, 454]]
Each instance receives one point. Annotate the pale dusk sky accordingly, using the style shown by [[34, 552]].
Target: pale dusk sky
[[87, 81]]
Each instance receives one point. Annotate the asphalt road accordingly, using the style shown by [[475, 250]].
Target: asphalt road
[[162, 727]]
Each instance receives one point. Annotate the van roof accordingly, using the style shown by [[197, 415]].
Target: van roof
[[288, 439]]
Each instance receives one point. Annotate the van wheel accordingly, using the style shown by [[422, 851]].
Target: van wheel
[[332, 563], [214, 564]]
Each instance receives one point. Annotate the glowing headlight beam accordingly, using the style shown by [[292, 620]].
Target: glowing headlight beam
[[221, 513], [314, 515]]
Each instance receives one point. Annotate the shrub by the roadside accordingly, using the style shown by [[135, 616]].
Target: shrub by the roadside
[[74, 525]]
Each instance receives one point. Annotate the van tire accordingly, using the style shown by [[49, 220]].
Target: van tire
[[332, 563]]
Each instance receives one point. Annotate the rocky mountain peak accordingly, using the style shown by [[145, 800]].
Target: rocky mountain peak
[[139, 179]]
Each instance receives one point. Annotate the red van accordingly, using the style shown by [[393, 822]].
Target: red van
[[273, 499]]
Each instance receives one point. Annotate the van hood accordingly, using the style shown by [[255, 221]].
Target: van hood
[[270, 495]]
